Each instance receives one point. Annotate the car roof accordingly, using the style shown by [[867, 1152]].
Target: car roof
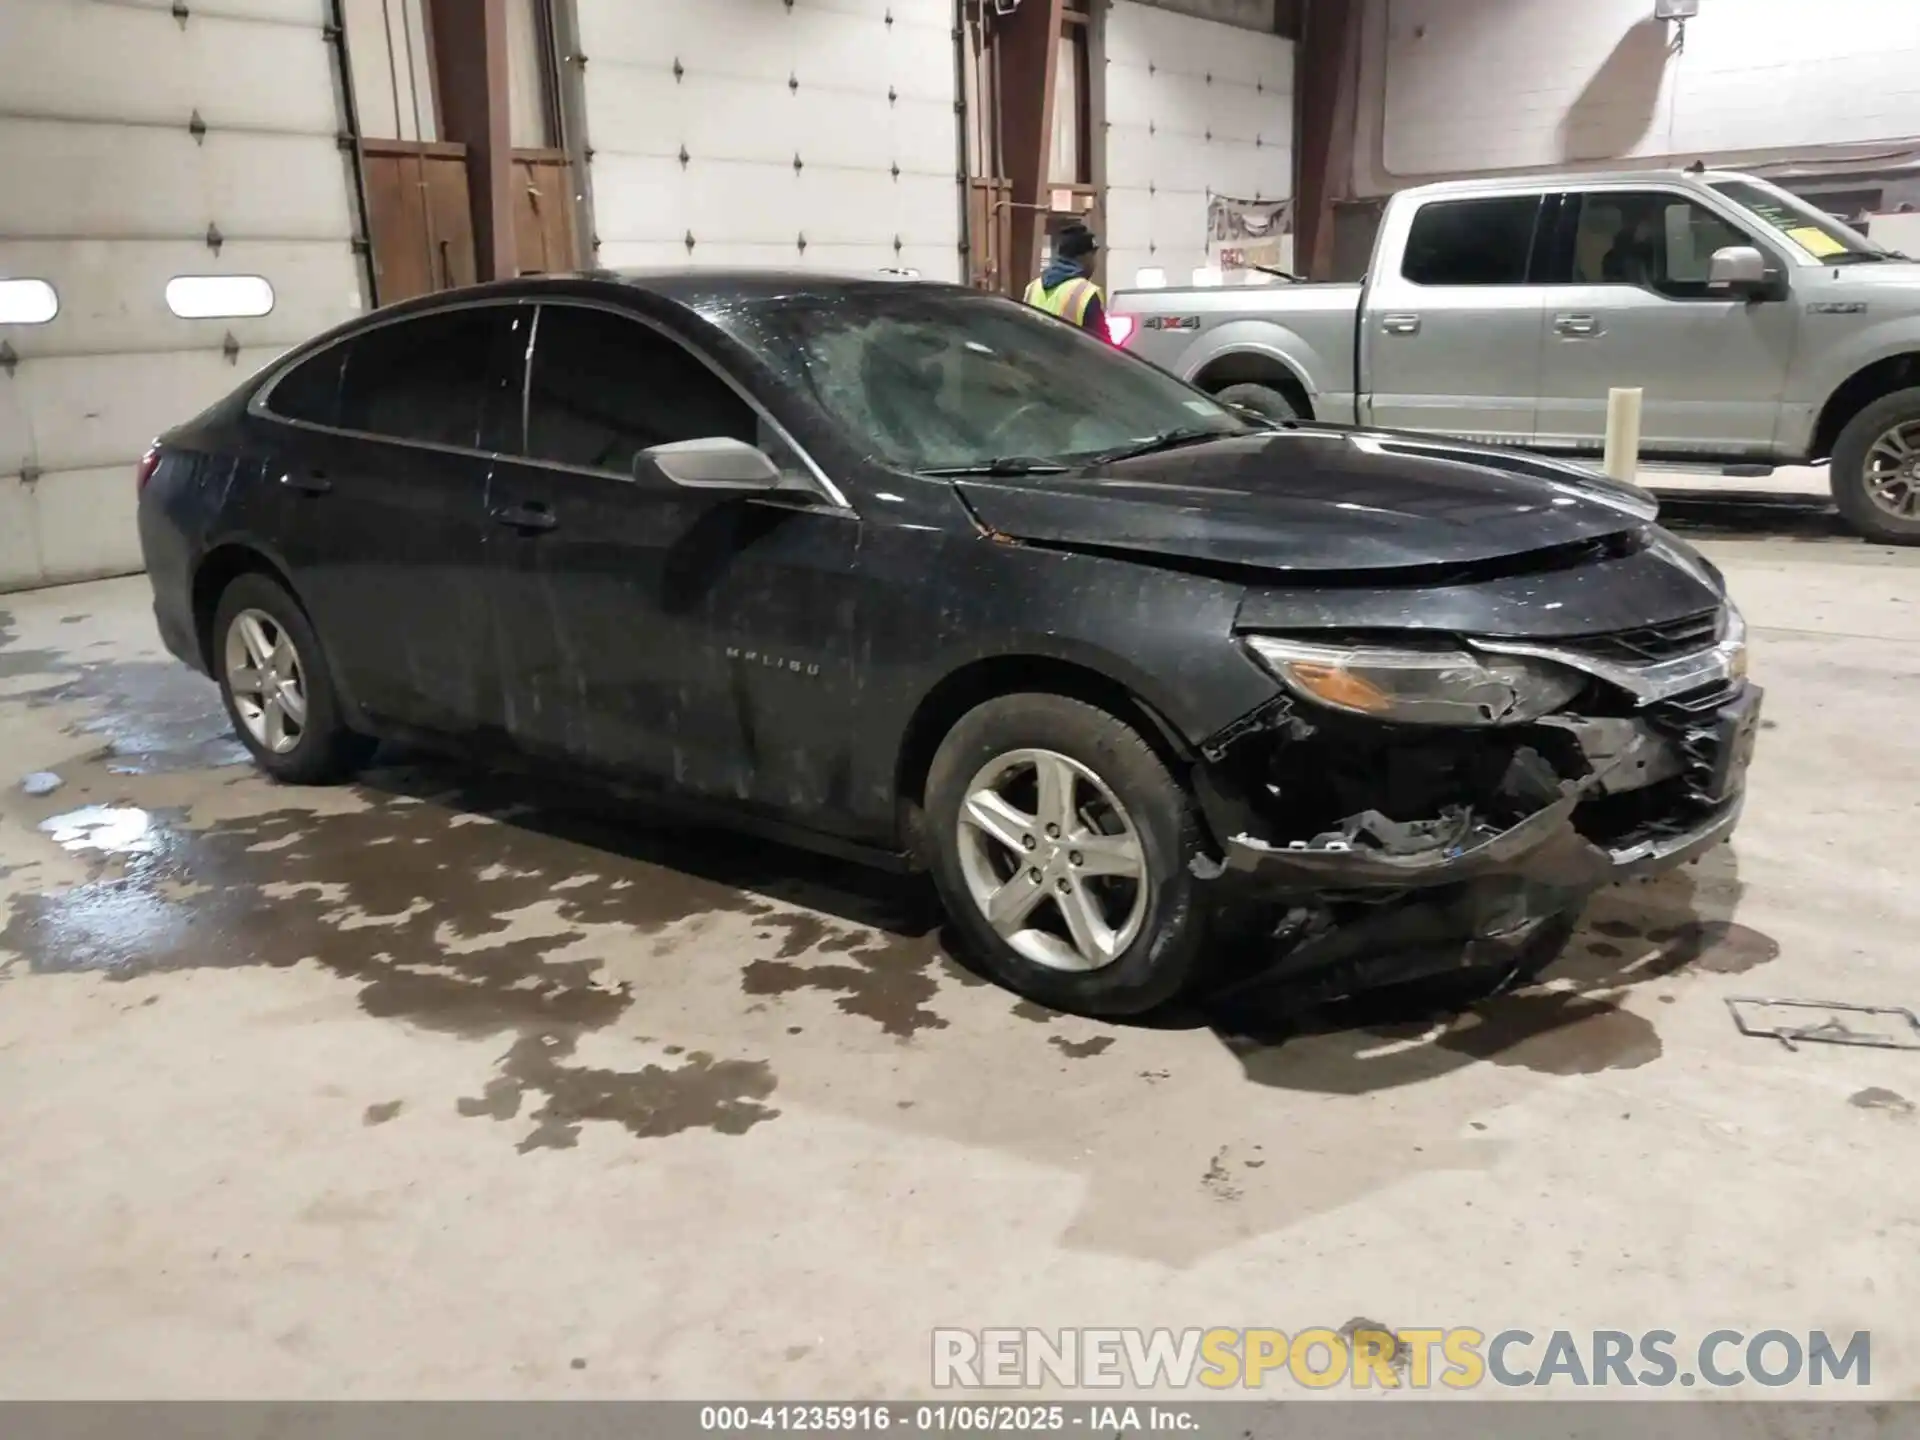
[[689, 286]]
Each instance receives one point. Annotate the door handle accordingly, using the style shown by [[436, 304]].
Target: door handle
[[1576, 325], [314, 482], [531, 516], [1401, 324]]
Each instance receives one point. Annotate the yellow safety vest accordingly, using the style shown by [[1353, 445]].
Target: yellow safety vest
[[1068, 300]]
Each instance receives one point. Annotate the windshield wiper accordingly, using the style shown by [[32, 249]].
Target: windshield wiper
[[1275, 270], [1165, 440], [1005, 465]]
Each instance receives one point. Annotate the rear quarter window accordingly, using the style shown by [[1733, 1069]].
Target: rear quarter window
[[311, 390]]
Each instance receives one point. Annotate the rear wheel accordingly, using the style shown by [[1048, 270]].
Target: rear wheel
[[1875, 473], [278, 692], [1060, 846], [1263, 400]]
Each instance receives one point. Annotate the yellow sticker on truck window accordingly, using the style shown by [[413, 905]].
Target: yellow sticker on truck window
[[1815, 241]]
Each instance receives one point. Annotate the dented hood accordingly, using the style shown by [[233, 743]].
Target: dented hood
[[1313, 500]]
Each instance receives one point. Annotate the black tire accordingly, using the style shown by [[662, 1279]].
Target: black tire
[[1261, 399], [1165, 955], [1848, 472], [326, 751]]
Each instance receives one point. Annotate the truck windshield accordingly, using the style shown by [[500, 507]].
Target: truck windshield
[[1794, 220], [956, 381]]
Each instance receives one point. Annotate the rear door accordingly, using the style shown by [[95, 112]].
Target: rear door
[[383, 469], [702, 641], [1629, 307], [1450, 340]]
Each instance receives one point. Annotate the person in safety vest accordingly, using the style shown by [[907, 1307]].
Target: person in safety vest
[[1064, 287]]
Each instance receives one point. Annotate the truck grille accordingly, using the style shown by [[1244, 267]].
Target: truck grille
[[1651, 643]]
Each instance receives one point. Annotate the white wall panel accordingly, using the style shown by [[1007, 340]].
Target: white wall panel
[[1480, 85], [1193, 107], [106, 193], [861, 92]]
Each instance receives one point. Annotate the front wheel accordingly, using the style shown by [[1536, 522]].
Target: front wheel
[[278, 692], [1875, 473], [1061, 846]]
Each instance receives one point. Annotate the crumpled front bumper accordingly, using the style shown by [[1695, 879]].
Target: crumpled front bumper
[[1555, 847]]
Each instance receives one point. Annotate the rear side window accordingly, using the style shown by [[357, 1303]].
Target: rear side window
[[604, 387], [1472, 242], [311, 390], [440, 379]]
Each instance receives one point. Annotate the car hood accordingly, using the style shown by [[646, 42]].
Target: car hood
[[1317, 500]]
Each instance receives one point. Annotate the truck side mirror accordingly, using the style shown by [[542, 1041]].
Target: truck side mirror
[[1742, 270]]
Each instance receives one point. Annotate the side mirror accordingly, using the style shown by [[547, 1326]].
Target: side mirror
[[718, 463], [1741, 270]]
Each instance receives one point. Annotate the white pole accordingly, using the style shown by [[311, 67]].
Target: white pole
[[1623, 434]]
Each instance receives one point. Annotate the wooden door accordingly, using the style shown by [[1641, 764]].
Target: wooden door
[[419, 218]]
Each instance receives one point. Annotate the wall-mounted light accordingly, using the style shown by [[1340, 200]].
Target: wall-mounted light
[[1677, 12]]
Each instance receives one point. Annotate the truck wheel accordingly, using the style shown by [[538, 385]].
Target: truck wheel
[[1875, 472], [1261, 399], [1061, 848]]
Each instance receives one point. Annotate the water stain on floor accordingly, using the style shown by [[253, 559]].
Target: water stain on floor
[[444, 916], [699, 1093]]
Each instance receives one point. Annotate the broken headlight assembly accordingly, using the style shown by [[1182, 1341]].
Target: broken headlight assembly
[[1419, 687]]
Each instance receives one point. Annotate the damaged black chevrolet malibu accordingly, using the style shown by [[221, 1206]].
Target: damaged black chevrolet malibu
[[909, 572]]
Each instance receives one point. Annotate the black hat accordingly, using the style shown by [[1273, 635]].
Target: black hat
[[1075, 241]]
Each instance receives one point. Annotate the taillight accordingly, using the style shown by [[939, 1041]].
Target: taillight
[[149, 463], [1120, 328]]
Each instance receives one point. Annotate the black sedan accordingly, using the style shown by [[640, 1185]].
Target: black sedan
[[918, 574]]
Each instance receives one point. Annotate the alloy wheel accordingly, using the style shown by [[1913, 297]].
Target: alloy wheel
[[1052, 859], [1893, 471], [266, 681]]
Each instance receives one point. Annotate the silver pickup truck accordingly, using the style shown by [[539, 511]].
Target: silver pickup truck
[[1762, 331]]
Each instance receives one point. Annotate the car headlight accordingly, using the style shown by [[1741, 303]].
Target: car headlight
[[1419, 687]]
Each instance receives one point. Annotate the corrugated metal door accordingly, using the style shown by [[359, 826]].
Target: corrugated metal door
[[816, 133], [135, 148], [1192, 107]]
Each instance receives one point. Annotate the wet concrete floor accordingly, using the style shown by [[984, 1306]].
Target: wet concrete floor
[[445, 1084]]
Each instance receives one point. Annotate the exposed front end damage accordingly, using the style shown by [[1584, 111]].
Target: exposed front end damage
[[1389, 850]]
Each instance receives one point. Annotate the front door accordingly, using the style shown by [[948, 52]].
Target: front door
[[1450, 342], [704, 642], [1630, 309], [384, 520]]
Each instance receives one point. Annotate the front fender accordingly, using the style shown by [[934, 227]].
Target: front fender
[[1840, 360]]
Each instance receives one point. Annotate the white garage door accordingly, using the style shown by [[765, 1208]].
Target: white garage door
[[820, 134], [1193, 107], [128, 137]]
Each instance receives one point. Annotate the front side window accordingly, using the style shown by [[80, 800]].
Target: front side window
[[1801, 224], [931, 378], [603, 387], [1472, 242], [1653, 239], [439, 379]]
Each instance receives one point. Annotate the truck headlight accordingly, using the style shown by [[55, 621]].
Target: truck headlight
[[1419, 687], [1733, 638]]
